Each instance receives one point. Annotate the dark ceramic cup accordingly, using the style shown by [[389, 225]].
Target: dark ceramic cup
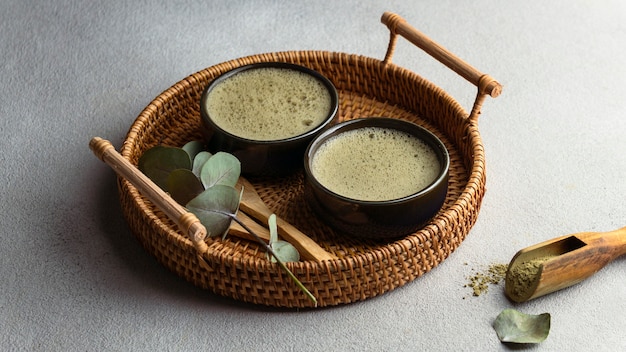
[[265, 157], [386, 219]]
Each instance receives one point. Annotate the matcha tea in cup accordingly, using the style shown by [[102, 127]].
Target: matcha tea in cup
[[376, 177], [266, 114], [375, 164]]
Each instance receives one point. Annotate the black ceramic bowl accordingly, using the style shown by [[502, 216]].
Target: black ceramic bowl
[[378, 219], [264, 157]]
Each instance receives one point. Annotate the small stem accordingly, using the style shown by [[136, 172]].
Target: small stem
[[258, 239], [282, 265]]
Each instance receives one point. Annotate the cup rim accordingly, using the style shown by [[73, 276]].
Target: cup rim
[[330, 87], [384, 122]]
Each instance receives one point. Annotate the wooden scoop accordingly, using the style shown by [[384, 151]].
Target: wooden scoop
[[561, 262], [252, 204]]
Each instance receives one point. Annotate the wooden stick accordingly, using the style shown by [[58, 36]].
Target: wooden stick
[[239, 231], [185, 220], [253, 205]]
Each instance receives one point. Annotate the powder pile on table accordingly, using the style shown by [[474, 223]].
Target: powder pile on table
[[479, 282]]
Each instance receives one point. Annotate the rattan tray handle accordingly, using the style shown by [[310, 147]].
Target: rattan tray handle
[[185, 220], [486, 84]]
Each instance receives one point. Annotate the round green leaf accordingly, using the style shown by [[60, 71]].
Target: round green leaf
[[285, 251], [193, 148], [157, 163], [183, 185], [516, 327], [199, 161], [215, 208], [221, 169]]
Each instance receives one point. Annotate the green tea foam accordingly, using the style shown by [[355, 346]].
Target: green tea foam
[[375, 164], [269, 103]]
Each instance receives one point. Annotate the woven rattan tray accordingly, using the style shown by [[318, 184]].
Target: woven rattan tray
[[367, 87]]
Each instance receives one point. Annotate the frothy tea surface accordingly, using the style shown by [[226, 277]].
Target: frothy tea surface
[[375, 164], [269, 103]]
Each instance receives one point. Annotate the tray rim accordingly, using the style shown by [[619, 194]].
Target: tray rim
[[475, 182]]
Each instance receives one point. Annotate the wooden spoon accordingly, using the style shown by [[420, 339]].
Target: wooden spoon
[[252, 204], [561, 262]]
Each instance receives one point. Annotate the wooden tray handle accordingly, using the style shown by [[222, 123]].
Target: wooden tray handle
[[185, 220], [486, 84]]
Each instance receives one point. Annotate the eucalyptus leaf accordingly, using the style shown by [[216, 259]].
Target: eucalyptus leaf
[[215, 207], [285, 251], [159, 161], [193, 148], [198, 162], [183, 185], [517, 327], [271, 224], [221, 169]]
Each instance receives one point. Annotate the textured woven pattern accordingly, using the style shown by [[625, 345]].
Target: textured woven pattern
[[239, 268]]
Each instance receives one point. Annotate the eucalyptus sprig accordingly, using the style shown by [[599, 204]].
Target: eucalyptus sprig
[[205, 184]]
